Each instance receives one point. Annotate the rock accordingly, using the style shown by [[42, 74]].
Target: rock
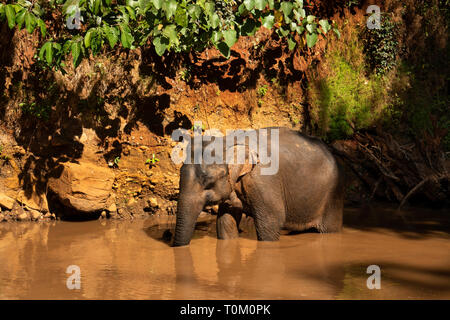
[[35, 215], [23, 216], [19, 150], [112, 214], [2, 217], [48, 215], [103, 214], [153, 202], [203, 214], [85, 187], [6, 202], [33, 201], [112, 208]]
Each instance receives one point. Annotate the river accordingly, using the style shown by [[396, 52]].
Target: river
[[133, 260]]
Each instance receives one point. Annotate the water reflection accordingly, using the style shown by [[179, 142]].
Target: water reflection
[[132, 260]]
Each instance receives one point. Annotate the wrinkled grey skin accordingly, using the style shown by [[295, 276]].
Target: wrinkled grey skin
[[307, 192]]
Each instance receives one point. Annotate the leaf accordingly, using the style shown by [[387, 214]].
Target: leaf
[[260, 4], [42, 26], [242, 9], [10, 15], [46, 50], [56, 46], [131, 12], [338, 33], [325, 25], [286, 7], [209, 8], [224, 49], [249, 27], [300, 29], [158, 3], [126, 37], [76, 53], [170, 7], [299, 3], [112, 34], [283, 32], [310, 19], [311, 28], [30, 22], [170, 32], [215, 20], [88, 37], [20, 18], [96, 6], [194, 11], [311, 39], [161, 44], [291, 43], [268, 21], [216, 36], [293, 26], [181, 18], [230, 37], [303, 13], [249, 4], [143, 5]]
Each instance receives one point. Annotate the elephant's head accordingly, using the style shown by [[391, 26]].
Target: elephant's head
[[201, 185]]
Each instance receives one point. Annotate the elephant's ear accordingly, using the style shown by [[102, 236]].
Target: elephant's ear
[[239, 167]]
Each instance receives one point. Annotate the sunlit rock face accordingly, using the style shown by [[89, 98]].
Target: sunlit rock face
[[82, 186]]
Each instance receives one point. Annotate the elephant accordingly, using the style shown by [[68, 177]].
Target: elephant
[[305, 192]]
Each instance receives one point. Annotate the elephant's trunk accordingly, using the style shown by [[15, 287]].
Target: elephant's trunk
[[188, 210]]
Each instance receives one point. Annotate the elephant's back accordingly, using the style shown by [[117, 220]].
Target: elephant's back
[[302, 150], [309, 171]]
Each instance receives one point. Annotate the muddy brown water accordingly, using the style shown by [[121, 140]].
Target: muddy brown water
[[133, 260]]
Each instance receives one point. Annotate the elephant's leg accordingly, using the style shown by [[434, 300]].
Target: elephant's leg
[[228, 220], [268, 209], [332, 217], [267, 227]]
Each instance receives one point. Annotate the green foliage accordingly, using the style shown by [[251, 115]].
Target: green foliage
[[422, 110], [3, 156], [171, 25], [351, 3], [345, 99], [40, 111], [381, 46], [262, 90], [23, 14], [153, 161], [197, 127]]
